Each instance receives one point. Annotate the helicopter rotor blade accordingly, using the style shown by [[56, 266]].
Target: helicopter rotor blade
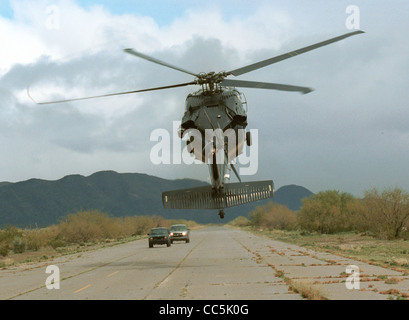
[[291, 54], [113, 94], [157, 61], [265, 85]]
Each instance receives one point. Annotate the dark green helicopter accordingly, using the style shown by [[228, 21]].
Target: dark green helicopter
[[214, 121]]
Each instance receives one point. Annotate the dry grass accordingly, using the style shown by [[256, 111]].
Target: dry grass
[[82, 231], [392, 254], [307, 290]]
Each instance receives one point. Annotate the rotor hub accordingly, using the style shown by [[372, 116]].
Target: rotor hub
[[211, 81]]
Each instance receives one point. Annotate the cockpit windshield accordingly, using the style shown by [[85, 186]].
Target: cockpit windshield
[[243, 99]]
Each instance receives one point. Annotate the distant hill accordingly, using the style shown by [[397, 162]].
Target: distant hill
[[41, 203], [291, 196]]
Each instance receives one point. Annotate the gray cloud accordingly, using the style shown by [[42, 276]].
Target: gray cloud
[[350, 134]]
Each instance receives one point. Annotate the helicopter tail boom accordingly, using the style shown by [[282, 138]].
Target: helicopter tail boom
[[232, 194]]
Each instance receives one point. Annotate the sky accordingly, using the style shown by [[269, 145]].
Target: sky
[[350, 134]]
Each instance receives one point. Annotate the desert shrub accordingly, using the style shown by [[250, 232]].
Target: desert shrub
[[81, 227], [387, 213], [56, 243], [36, 238], [4, 249], [328, 212], [18, 245], [273, 216], [9, 233], [140, 225], [9, 237], [240, 222], [91, 225]]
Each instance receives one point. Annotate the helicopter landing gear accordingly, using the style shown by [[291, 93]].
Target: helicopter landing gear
[[221, 214]]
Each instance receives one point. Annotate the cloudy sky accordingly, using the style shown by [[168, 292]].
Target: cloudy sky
[[350, 134]]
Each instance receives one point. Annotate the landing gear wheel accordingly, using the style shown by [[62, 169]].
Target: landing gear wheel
[[221, 214]]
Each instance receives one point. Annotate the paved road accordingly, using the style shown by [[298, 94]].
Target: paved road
[[218, 264]]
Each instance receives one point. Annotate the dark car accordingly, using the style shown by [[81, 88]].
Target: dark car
[[159, 236], [179, 232]]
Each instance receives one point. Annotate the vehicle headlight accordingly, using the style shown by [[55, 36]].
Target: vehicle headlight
[[184, 233], [171, 233]]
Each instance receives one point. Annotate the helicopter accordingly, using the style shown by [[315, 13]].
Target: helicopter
[[214, 123]]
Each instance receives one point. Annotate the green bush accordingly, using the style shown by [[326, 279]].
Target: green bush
[[383, 214], [328, 212]]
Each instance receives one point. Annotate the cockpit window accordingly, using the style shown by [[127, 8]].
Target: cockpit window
[[243, 99]]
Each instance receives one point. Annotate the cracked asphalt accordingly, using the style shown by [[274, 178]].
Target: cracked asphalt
[[219, 263]]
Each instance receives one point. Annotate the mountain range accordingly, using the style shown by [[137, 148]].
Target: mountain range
[[41, 203]]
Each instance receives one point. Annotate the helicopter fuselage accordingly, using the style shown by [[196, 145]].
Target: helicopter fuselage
[[215, 122]]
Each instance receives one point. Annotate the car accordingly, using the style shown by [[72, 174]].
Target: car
[[159, 236], [179, 232]]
